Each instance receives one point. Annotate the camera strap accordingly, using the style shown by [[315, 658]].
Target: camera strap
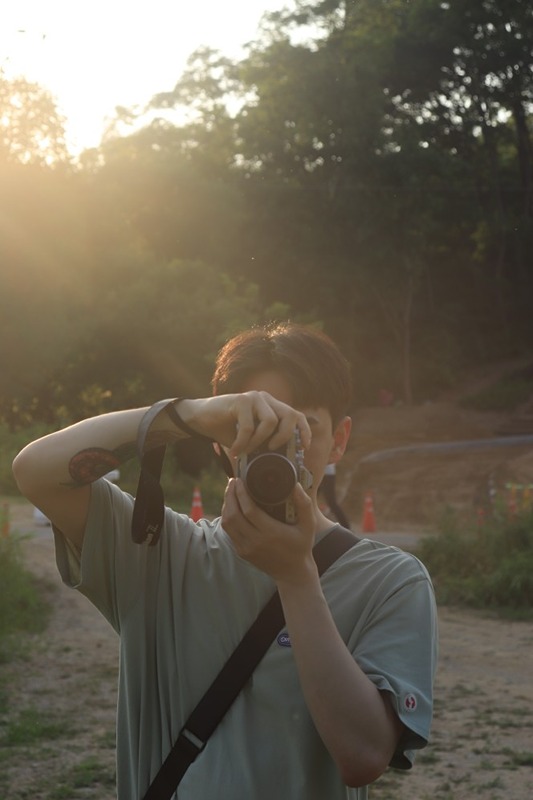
[[149, 507], [224, 690]]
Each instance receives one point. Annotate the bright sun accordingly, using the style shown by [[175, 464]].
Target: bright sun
[[96, 54]]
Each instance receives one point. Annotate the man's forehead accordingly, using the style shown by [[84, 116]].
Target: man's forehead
[[273, 382], [276, 384]]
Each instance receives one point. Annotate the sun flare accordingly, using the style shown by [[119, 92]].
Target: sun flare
[[94, 56]]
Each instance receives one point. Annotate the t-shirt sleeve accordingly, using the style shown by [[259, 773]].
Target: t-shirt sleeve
[[111, 569], [398, 652]]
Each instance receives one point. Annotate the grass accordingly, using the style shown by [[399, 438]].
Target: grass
[[31, 725], [33, 733], [89, 773], [523, 759], [23, 606]]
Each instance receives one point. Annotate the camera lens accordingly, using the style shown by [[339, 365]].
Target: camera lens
[[270, 478]]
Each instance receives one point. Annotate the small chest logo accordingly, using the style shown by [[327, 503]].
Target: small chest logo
[[284, 639], [410, 702]]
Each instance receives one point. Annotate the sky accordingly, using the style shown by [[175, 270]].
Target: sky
[[93, 55]]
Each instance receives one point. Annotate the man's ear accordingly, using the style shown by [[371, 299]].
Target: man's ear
[[341, 434]]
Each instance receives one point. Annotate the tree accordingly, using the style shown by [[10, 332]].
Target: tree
[[395, 112], [31, 128], [44, 251], [474, 98], [366, 164], [315, 143]]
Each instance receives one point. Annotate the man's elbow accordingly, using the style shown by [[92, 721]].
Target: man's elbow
[[19, 469], [26, 474], [362, 768]]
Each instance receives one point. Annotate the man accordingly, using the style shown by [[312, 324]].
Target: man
[[346, 691]]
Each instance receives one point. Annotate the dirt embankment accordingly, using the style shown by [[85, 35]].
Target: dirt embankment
[[411, 487]]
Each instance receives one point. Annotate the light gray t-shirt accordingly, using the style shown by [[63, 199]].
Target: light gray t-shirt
[[182, 607]]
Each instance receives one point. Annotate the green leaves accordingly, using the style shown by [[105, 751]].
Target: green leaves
[[366, 164]]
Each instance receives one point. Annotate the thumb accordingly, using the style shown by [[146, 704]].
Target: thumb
[[304, 506]]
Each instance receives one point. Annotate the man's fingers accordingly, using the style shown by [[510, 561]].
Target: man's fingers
[[261, 418], [286, 427]]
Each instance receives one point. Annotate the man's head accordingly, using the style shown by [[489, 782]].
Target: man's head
[[311, 363]]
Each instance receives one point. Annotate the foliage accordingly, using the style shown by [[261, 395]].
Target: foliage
[[506, 394], [488, 565], [22, 606], [366, 165]]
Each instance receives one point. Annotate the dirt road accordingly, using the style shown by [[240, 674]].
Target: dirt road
[[482, 743]]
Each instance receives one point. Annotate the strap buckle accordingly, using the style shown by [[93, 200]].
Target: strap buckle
[[190, 743]]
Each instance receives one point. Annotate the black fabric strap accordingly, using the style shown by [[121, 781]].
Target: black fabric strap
[[149, 507], [179, 423], [235, 673]]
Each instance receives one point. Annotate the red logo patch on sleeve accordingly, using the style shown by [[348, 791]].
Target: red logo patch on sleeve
[[410, 702]]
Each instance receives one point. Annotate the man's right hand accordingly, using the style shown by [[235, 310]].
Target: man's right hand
[[242, 422], [55, 472]]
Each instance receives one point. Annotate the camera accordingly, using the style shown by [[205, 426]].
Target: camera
[[271, 475]]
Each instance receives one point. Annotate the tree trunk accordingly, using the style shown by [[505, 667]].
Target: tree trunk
[[525, 159]]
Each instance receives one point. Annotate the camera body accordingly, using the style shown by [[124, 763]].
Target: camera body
[[270, 477]]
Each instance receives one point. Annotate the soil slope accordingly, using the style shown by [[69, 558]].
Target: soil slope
[[411, 487]]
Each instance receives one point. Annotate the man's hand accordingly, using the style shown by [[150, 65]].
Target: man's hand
[[242, 422], [282, 551]]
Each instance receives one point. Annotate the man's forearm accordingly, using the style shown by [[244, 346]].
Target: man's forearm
[[81, 453], [55, 472], [356, 724]]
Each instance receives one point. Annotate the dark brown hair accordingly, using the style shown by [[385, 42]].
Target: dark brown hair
[[311, 363]]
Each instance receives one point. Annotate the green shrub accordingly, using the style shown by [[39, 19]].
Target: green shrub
[[488, 565], [506, 394]]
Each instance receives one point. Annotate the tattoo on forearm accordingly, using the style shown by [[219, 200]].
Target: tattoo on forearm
[[94, 462]]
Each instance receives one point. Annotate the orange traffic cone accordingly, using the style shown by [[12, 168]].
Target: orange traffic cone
[[369, 520], [197, 511]]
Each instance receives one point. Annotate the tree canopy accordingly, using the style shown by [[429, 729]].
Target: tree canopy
[[366, 165]]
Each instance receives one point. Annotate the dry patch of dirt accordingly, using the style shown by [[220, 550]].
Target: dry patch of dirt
[[482, 741], [62, 692]]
